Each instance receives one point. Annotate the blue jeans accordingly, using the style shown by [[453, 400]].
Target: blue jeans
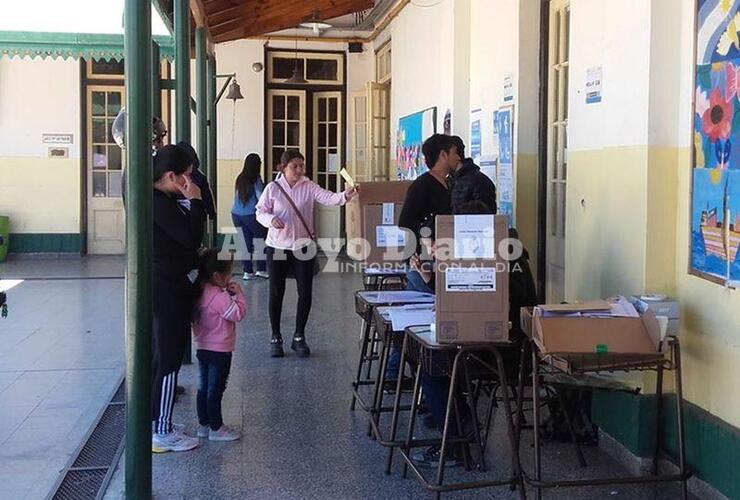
[[214, 372], [416, 283], [251, 229]]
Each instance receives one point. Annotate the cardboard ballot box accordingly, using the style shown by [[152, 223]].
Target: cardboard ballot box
[[373, 216], [661, 306], [592, 343], [472, 279]]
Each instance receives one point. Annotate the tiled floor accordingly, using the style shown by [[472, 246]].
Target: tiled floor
[[61, 357], [300, 439]]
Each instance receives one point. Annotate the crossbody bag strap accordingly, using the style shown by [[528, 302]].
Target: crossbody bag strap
[[295, 209]]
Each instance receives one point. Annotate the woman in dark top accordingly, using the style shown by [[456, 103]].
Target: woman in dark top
[[178, 233]]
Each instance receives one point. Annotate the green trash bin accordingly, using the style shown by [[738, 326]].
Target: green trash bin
[[4, 236]]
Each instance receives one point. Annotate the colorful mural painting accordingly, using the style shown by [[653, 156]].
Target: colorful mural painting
[[412, 131], [715, 221]]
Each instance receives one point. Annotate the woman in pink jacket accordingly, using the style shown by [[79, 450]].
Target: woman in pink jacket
[[286, 209]]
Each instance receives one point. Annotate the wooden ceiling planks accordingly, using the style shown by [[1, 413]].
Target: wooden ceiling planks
[[234, 19]]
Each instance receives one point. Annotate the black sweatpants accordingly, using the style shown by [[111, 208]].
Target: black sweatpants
[[173, 310], [279, 262]]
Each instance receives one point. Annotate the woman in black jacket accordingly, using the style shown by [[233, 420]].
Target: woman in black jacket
[[177, 237]]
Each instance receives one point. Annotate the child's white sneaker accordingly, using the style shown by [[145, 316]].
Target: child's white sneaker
[[224, 434], [262, 274], [248, 276], [203, 431], [174, 441]]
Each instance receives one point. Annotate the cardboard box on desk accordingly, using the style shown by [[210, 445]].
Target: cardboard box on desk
[[472, 294], [564, 336], [373, 216]]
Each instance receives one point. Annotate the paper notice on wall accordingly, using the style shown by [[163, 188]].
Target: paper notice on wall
[[476, 147], [388, 214], [389, 236], [470, 279], [505, 186], [474, 237], [488, 166], [509, 87], [594, 78], [332, 163]]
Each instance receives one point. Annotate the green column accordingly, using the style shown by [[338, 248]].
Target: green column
[[201, 108], [182, 70], [156, 78], [139, 228], [212, 124]]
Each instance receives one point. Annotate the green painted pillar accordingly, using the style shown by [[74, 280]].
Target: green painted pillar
[[139, 229], [156, 79], [182, 70], [201, 109], [212, 141]]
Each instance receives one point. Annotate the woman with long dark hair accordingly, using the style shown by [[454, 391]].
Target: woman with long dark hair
[[247, 191]]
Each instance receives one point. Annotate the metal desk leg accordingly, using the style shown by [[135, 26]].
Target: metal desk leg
[[379, 383], [412, 417], [489, 417], [397, 405], [658, 417], [569, 423], [679, 417], [520, 392], [363, 351], [536, 423], [474, 416], [446, 429], [373, 337], [515, 465]]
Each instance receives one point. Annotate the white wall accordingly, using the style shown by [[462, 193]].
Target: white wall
[[494, 54], [38, 96], [422, 62], [614, 35]]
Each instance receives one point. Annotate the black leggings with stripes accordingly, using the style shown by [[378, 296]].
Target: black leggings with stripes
[[173, 309]]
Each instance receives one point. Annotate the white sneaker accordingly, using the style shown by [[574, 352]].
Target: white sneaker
[[174, 441], [224, 434], [262, 274], [203, 431], [248, 276]]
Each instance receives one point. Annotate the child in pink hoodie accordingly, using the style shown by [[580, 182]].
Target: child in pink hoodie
[[220, 307]]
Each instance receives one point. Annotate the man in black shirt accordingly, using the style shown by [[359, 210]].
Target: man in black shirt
[[469, 184], [429, 195]]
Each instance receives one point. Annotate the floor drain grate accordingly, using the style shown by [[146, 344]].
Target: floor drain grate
[[94, 463]]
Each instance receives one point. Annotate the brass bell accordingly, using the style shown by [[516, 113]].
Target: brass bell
[[235, 92]]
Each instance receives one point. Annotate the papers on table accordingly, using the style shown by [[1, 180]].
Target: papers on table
[[399, 297], [411, 315], [6, 285], [616, 307], [385, 271]]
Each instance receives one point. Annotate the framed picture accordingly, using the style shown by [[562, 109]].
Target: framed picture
[[413, 130], [715, 190]]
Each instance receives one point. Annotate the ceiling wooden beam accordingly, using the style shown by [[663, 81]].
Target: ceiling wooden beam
[[258, 17], [199, 13]]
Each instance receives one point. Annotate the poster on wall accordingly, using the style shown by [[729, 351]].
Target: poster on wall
[[475, 135], [715, 212], [412, 131], [504, 129], [594, 80]]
